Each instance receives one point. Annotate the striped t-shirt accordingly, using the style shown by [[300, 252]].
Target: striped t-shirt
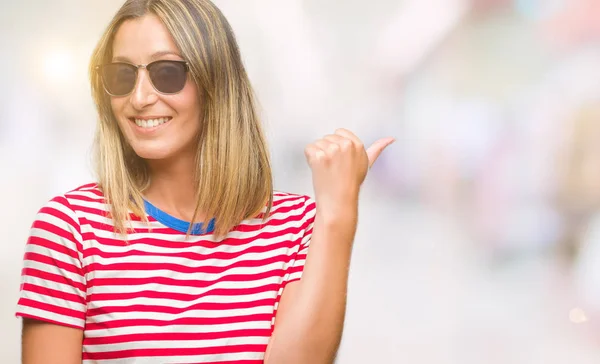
[[159, 298]]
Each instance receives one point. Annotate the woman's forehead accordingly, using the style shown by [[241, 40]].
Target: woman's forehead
[[143, 40]]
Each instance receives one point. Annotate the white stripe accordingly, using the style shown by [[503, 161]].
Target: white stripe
[[67, 320], [299, 262], [179, 249], [212, 358], [107, 221], [294, 276], [192, 276], [182, 304], [180, 344], [182, 329], [142, 315], [98, 205], [185, 262], [87, 193], [185, 289]]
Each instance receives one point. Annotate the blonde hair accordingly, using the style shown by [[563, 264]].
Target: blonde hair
[[233, 175]]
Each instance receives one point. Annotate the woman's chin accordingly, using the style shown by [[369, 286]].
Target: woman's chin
[[153, 153], [166, 149]]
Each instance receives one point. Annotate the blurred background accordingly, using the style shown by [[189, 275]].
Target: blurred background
[[479, 235]]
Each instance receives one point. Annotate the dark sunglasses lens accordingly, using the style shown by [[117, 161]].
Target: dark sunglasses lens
[[168, 77], [118, 78]]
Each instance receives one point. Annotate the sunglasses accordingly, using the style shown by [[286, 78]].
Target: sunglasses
[[167, 77]]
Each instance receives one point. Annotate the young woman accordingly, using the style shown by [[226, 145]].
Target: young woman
[[182, 252]]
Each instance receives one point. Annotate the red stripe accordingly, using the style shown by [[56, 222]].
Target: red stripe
[[295, 269], [52, 277], [46, 226], [98, 199], [102, 212], [175, 352], [80, 315], [175, 310], [93, 186], [97, 297], [279, 199], [60, 215], [49, 292], [187, 321], [231, 362], [180, 336], [301, 256], [53, 262], [52, 245]]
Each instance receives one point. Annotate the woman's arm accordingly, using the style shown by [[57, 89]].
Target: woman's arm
[[52, 300], [310, 315], [46, 343]]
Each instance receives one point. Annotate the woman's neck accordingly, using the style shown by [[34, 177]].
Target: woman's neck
[[173, 186]]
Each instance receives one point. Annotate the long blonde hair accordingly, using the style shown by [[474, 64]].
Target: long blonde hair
[[233, 175]]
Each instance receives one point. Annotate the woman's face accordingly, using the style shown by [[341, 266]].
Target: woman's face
[[157, 126]]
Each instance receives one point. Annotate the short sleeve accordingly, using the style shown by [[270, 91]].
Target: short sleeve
[[307, 223], [53, 286]]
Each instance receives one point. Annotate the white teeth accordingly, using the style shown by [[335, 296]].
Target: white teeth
[[151, 123]]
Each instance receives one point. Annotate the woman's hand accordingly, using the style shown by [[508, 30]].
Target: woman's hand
[[339, 164]]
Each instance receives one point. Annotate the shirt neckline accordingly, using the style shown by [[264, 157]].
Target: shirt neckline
[[175, 223]]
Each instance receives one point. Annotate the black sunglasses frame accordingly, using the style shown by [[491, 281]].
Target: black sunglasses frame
[[137, 68]]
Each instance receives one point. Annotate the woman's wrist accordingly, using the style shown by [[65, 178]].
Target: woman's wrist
[[337, 215]]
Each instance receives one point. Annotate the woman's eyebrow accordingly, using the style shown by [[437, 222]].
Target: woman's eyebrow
[[154, 56], [164, 53]]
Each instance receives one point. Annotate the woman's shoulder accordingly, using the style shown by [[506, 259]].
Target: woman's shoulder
[[69, 203], [282, 197], [88, 188], [89, 195], [58, 220], [292, 204]]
